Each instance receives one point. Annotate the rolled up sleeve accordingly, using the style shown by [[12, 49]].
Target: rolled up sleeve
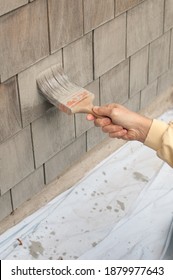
[[160, 139]]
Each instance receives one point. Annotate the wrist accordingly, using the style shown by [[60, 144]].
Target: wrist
[[145, 124]]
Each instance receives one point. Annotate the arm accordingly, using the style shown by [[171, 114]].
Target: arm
[[160, 139], [122, 123]]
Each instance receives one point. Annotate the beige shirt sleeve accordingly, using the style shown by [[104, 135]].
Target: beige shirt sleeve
[[160, 138]]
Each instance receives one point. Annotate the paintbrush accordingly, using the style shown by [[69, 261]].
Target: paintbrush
[[68, 97]]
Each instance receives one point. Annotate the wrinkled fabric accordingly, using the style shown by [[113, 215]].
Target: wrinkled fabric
[[160, 138]]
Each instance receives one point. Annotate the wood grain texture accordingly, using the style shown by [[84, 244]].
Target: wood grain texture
[[6, 206], [171, 50], [33, 104], [97, 12], [66, 22], [168, 15], [144, 24], [28, 187], [94, 137], [114, 85], [9, 5], [65, 159], [138, 70], [165, 81], [16, 160], [78, 60], [10, 120], [159, 56], [148, 95], [23, 38], [51, 133], [124, 5], [110, 51]]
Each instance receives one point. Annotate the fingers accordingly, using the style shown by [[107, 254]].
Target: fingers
[[90, 117], [122, 134], [111, 128], [98, 122], [102, 122], [102, 111], [115, 131]]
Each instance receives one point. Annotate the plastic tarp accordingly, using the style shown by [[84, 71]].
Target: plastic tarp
[[122, 209]]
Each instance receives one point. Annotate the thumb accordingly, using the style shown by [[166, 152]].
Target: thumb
[[102, 111]]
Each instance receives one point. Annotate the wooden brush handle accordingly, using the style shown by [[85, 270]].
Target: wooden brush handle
[[90, 111], [86, 106]]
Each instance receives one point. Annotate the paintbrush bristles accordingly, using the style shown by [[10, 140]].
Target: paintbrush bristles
[[61, 92]]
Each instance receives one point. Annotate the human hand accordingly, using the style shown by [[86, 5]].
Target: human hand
[[121, 123]]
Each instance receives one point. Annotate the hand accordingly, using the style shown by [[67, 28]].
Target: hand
[[121, 123]]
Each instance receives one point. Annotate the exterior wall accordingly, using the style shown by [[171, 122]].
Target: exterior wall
[[121, 50]]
